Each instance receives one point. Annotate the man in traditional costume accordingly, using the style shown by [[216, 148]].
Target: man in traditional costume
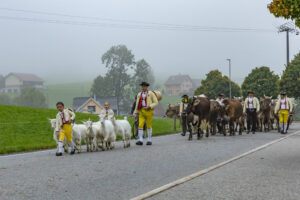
[[145, 103], [284, 108], [251, 107]]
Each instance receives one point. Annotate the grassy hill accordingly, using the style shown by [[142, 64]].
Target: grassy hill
[[66, 92], [26, 129]]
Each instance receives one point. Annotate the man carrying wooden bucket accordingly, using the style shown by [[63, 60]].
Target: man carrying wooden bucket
[[145, 103]]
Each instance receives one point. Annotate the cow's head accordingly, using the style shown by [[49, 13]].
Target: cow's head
[[172, 111]]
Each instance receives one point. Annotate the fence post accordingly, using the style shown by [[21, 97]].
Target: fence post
[[175, 119]]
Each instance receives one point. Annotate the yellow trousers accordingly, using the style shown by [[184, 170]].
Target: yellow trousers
[[66, 131], [283, 116], [145, 115]]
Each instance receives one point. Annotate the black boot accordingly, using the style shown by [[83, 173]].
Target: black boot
[[72, 152], [58, 153], [139, 143], [149, 143]]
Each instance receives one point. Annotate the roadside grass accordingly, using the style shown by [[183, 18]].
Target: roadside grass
[[28, 129]]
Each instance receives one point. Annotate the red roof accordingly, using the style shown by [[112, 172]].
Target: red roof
[[26, 77]]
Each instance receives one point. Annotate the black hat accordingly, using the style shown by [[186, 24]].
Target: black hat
[[60, 103], [250, 92], [282, 93], [220, 94], [184, 96], [144, 84]]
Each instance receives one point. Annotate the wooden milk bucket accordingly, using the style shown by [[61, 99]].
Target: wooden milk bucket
[[157, 94]]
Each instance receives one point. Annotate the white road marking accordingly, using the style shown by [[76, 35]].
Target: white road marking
[[204, 171]]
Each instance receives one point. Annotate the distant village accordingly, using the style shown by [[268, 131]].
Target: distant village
[[175, 85]]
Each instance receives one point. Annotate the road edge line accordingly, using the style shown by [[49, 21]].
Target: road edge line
[[205, 171]]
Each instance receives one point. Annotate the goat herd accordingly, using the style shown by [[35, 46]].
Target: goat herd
[[97, 135], [202, 113]]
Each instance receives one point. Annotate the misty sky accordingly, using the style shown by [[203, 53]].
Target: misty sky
[[72, 53]]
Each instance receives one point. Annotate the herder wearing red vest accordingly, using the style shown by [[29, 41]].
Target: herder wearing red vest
[[251, 107], [284, 107], [145, 103]]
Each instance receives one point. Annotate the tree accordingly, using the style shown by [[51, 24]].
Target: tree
[[142, 72], [118, 59], [5, 99], [102, 87], [290, 79], [216, 83], [288, 9], [262, 82], [31, 97], [2, 81]]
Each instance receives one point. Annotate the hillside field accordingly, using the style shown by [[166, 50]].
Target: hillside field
[[27, 129], [66, 92]]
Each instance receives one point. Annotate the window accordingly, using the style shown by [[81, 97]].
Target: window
[[91, 109]]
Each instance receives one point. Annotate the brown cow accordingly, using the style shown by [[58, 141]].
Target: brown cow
[[200, 107], [234, 111], [264, 114], [172, 111], [215, 116]]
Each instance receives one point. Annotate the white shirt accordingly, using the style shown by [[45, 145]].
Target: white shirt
[[283, 104], [250, 103], [144, 95], [220, 101]]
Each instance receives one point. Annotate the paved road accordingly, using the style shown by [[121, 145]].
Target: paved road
[[121, 173], [272, 173]]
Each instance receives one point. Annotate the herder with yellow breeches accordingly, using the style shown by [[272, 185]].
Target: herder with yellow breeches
[[63, 128], [284, 107], [145, 103]]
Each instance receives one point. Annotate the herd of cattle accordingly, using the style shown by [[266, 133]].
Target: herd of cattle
[[202, 113]]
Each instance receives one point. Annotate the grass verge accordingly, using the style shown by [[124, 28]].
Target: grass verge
[[27, 129]]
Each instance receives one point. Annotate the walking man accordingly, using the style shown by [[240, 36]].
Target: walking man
[[145, 103], [251, 107], [220, 99], [182, 113], [63, 128], [284, 107]]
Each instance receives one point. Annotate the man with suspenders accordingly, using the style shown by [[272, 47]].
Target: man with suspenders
[[284, 107], [251, 107]]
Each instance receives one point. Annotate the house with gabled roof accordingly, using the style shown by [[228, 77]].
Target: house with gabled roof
[[87, 105], [14, 82], [180, 84]]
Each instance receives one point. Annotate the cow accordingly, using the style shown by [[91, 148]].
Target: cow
[[172, 111], [215, 116], [200, 107], [264, 114], [272, 114], [234, 111]]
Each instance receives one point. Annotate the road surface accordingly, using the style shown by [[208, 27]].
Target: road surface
[[127, 173]]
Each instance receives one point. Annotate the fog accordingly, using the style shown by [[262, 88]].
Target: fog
[[62, 53]]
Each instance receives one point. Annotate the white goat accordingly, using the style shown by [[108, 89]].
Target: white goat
[[53, 125], [123, 129], [79, 132], [108, 132], [90, 135]]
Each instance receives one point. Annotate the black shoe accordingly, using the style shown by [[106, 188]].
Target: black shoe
[[58, 153], [248, 132], [281, 132], [253, 132], [139, 143], [183, 134], [72, 152], [149, 143]]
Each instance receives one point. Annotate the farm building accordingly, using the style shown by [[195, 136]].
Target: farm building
[[180, 84], [93, 105], [14, 82], [86, 105]]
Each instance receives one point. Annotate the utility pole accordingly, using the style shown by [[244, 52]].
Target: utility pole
[[229, 61], [288, 28]]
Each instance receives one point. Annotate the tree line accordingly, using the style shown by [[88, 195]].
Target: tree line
[[123, 76], [261, 80]]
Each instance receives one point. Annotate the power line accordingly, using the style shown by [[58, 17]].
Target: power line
[[128, 24]]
